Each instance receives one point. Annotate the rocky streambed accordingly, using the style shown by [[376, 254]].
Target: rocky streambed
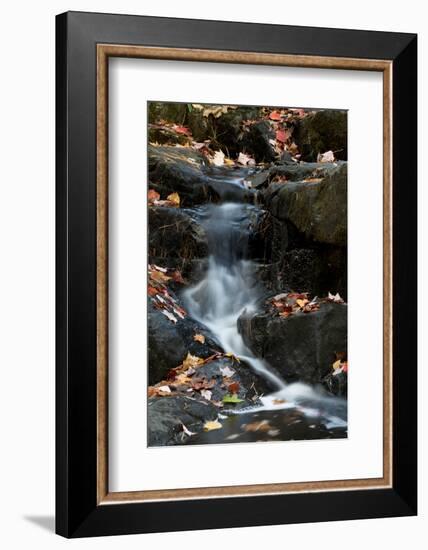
[[247, 300]]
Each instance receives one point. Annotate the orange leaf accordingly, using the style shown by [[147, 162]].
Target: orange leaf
[[275, 115], [153, 195]]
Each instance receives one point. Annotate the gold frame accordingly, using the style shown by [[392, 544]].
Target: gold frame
[[104, 51]]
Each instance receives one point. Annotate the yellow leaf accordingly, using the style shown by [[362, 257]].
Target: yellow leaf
[[302, 303], [159, 276], [336, 364], [182, 379], [233, 357], [199, 338], [175, 198], [192, 361], [212, 425]]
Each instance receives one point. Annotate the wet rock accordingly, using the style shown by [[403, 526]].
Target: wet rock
[[224, 377], [167, 415], [176, 240], [163, 135], [168, 111], [318, 270], [317, 209], [268, 238], [225, 131], [337, 384], [320, 132], [250, 385], [169, 342], [257, 142], [180, 170], [259, 179], [301, 346]]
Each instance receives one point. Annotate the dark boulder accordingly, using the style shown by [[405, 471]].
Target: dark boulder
[[301, 346], [163, 135], [259, 142], [317, 209], [180, 170], [177, 240], [317, 270], [226, 378], [166, 417], [323, 131], [225, 130], [167, 111], [268, 238], [169, 342]]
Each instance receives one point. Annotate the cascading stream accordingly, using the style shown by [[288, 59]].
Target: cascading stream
[[229, 287]]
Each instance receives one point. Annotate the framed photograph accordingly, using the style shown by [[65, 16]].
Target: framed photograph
[[236, 274]]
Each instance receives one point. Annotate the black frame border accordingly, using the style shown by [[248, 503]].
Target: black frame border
[[77, 512]]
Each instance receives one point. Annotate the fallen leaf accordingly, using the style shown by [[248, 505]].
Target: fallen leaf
[[274, 115], [218, 159], [245, 159], [182, 130], [302, 303], [282, 136], [152, 291], [262, 426], [174, 198], [202, 384], [233, 387], [212, 425], [153, 195], [182, 379], [233, 357], [164, 389], [169, 315], [192, 361], [232, 399], [226, 371], [186, 431], [206, 394], [336, 298], [312, 180], [336, 365], [326, 157], [177, 277], [159, 276], [199, 338]]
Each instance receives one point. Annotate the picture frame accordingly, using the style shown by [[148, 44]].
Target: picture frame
[[84, 44]]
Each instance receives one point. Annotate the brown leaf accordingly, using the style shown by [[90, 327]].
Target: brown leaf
[[199, 338], [177, 277], [233, 388], [262, 426]]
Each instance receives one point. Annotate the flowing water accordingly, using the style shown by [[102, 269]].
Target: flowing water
[[295, 411]]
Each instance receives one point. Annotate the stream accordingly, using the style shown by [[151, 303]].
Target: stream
[[230, 286]]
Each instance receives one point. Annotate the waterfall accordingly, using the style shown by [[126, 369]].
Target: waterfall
[[229, 286]]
